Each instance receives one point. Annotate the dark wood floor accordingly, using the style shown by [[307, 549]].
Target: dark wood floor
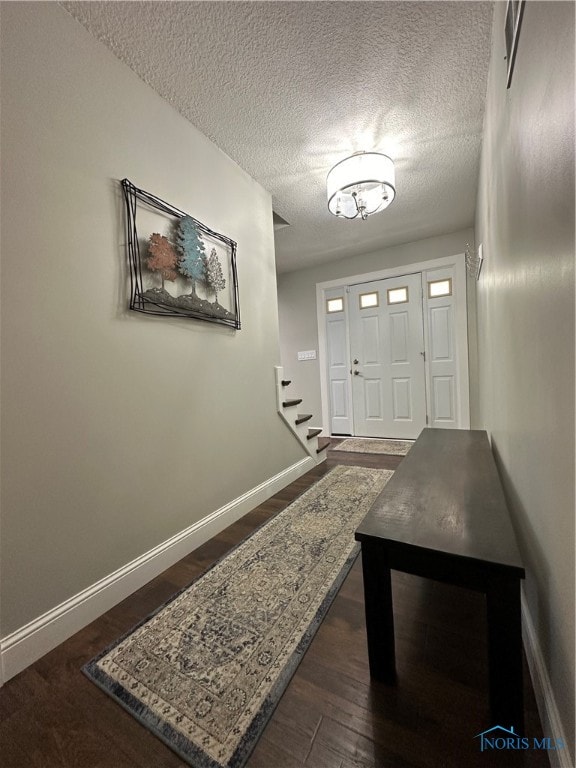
[[331, 715]]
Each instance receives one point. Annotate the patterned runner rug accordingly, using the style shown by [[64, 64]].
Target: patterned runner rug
[[205, 672], [375, 445]]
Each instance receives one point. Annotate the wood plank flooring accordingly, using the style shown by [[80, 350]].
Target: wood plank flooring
[[331, 715]]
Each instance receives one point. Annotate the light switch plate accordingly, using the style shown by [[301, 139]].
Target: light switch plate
[[309, 354]]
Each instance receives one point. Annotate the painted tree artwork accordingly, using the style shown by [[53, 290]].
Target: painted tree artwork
[[170, 271], [193, 258], [163, 258], [214, 277]]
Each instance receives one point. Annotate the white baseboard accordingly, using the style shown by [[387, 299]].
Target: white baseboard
[[547, 708], [27, 644]]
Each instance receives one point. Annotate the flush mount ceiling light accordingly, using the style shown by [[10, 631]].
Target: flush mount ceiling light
[[361, 185]]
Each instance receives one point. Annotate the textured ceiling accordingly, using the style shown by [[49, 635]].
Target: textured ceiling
[[287, 89]]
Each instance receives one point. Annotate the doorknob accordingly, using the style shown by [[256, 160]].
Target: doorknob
[[355, 361], [356, 373]]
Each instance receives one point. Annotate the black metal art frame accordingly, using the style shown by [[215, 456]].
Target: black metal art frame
[[513, 20], [140, 298]]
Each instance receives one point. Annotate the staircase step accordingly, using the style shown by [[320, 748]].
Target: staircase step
[[302, 417], [289, 403], [323, 443], [285, 382], [312, 433]]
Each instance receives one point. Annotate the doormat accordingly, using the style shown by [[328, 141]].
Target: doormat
[[375, 445], [205, 672]]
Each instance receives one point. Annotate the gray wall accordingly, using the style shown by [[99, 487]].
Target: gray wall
[[118, 430], [297, 308], [525, 220]]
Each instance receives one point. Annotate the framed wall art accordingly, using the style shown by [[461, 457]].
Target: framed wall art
[[179, 267]]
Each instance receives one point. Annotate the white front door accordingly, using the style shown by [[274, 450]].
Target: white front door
[[387, 357]]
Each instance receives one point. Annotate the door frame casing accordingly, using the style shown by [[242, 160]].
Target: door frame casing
[[458, 263]]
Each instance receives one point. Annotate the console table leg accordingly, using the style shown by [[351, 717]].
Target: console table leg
[[379, 614], [505, 654]]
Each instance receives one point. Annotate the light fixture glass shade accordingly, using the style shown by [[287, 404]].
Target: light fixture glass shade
[[361, 185]]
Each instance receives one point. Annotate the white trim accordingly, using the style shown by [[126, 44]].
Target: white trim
[[460, 295], [27, 644], [547, 708], [457, 261], [399, 271]]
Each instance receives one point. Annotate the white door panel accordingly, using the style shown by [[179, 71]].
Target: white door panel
[[372, 390], [443, 398], [339, 399], [399, 341], [441, 343], [386, 338], [337, 353], [402, 399]]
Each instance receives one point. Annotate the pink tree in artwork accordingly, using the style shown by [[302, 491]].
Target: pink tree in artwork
[[162, 257]]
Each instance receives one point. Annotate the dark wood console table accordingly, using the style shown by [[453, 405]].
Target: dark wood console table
[[443, 516]]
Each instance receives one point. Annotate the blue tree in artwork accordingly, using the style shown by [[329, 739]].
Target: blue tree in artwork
[[192, 262]]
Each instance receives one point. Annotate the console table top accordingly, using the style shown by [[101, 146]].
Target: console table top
[[446, 496]]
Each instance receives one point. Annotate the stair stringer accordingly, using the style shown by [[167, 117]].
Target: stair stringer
[[289, 414]]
